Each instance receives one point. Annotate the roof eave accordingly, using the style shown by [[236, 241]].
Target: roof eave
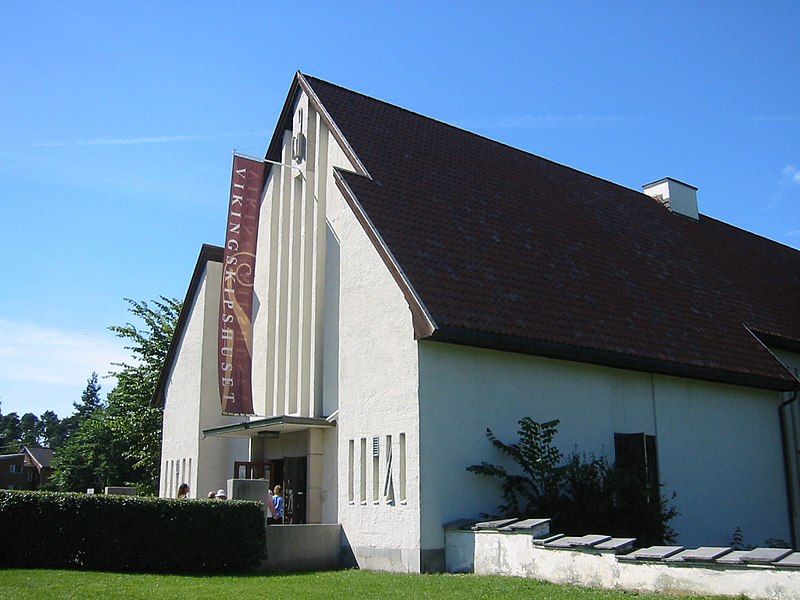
[[506, 343], [208, 253], [776, 340], [284, 122], [424, 325], [266, 423]]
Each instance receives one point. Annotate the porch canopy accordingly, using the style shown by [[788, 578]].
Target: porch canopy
[[269, 426]]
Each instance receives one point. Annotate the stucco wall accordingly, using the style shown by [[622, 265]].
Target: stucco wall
[[791, 414], [191, 401], [333, 332], [181, 408], [377, 392], [718, 445]]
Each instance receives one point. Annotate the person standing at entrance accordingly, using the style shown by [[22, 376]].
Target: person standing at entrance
[[272, 516], [277, 500]]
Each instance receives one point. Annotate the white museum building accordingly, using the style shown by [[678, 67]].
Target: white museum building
[[416, 284]]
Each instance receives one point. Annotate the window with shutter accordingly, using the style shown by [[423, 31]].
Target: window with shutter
[[635, 453]]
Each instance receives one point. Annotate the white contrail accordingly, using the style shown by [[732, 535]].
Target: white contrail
[[154, 139]]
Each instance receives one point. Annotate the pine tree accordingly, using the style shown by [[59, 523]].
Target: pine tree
[[10, 433], [90, 399], [88, 405], [31, 430], [52, 429]]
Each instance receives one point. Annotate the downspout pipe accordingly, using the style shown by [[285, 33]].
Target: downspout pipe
[[787, 465]]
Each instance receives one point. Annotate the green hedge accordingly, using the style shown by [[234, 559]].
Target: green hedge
[[128, 534]]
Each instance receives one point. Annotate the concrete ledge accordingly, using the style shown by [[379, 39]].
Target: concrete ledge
[[303, 547], [511, 553], [119, 490], [395, 560]]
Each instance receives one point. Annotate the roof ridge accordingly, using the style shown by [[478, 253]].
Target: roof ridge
[[472, 133], [753, 233], [529, 153]]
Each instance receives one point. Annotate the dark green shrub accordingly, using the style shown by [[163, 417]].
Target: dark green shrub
[[129, 534], [586, 494]]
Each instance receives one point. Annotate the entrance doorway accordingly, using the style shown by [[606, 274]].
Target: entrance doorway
[[294, 489], [290, 472], [271, 470]]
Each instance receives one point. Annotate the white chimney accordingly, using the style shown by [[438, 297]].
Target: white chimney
[[677, 196]]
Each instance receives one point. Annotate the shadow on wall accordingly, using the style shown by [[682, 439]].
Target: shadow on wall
[[315, 547], [330, 323], [347, 557]]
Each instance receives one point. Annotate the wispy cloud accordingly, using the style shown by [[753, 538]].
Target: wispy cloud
[[153, 139], [543, 121], [46, 368], [790, 175], [786, 184], [780, 118]]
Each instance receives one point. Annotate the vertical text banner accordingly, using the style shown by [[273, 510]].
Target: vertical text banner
[[236, 300]]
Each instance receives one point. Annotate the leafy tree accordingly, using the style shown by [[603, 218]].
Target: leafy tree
[[130, 416], [120, 441], [585, 494], [78, 462]]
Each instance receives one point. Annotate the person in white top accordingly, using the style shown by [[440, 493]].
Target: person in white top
[[272, 517]]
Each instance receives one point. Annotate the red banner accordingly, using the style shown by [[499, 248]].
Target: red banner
[[236, 299]]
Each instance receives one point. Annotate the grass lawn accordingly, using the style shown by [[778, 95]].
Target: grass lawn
[[31, 583]]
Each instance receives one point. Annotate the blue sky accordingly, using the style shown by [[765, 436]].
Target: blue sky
[[117, 123]]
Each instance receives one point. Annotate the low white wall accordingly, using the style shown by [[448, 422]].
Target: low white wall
[[514, 554], [303, 547]]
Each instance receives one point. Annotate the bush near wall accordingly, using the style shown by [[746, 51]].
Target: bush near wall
[[128, 534]]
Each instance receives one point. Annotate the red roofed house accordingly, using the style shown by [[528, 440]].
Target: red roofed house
[[416, 283], [28, 469]]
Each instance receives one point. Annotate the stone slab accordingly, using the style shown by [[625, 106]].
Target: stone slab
[[590, 541], [460, 524], [702, 554], [584, 541], [616, 545], [562, 542], [764, 556], [543, 541], [531, 524], [732, 558], [792, 561], [496, 524], [653, 553]]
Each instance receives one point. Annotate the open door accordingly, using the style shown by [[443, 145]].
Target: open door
[[294, 489]]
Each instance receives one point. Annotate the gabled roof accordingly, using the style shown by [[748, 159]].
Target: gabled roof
[[207, 253], [504, 249], [43, 457]]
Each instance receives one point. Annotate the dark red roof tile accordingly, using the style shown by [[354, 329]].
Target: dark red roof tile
[[510, 250]]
